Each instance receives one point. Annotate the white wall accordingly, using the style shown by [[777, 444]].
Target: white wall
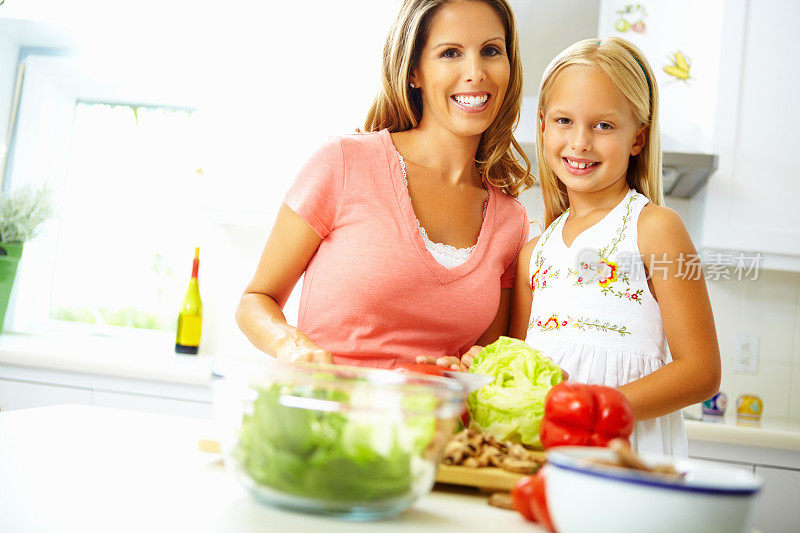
[[545, 29], [770, 308]]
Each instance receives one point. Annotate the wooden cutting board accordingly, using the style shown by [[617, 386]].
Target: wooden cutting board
[[489, 478]]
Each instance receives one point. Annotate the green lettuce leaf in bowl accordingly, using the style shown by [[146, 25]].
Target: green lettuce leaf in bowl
[[511, 407], [359, 456]]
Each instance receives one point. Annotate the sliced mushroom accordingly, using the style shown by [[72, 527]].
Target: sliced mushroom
[[471, 462], [488, 456], [520, 466], [626, 456], [502, 500], [518, 451]]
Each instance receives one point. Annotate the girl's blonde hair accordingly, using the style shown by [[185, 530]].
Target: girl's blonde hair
[[631, 74], [399, 107]]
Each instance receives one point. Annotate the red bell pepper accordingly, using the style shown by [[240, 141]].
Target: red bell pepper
[[539, 501], [522, 496], [585, 415], [422, 368], [530, 500]]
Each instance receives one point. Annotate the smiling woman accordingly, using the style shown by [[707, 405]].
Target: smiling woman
[[407, 234], [473, 54]]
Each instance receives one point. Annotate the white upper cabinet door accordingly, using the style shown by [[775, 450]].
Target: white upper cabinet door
[[751, 201], [682, 41], [736, 97]]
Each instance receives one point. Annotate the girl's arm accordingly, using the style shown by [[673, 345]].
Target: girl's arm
[[694, 373], [291, 245], [522, 297]]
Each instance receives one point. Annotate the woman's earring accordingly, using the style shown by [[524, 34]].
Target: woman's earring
[[412, 85]]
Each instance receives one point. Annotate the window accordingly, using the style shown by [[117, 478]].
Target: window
[[190, 137], [128, 216]]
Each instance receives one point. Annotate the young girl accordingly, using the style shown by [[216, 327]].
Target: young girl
[[611, 290]]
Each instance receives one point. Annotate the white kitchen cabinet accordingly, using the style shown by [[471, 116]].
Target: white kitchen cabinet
[[25, 387], [151, 404], [16, 394], [750, 203], [778, 509], [740, 103], [780, 468]]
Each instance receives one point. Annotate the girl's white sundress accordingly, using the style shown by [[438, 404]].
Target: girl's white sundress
[[593, 314]]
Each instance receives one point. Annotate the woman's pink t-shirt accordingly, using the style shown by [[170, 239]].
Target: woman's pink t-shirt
[[372, 294]]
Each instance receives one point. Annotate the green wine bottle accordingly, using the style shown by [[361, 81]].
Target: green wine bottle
[[190, 317]]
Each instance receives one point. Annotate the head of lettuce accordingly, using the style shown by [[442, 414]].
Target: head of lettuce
[[512, 405]]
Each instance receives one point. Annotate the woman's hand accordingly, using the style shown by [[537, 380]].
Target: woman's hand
[[470, 355], [299, 348], [451, 362], [291, 245]]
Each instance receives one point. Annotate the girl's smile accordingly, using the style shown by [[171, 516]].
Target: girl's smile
[[578, 166]]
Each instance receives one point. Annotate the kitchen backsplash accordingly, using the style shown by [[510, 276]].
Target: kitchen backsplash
[[768, 307]]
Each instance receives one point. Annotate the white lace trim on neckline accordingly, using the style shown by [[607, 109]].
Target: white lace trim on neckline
[[440, 247]]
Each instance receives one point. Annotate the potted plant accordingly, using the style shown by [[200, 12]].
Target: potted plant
[[22, 215]]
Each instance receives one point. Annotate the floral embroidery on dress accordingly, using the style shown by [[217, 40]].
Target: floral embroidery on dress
[[626, 218], [605, 272], [548, 323], [554, 322], [539, 277], [596, 324]]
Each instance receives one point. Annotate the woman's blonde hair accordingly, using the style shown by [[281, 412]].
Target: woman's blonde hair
[[630, 73], [398, 107]]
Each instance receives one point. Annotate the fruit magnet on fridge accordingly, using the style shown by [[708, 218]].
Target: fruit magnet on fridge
[[631, 18], [679, 66]]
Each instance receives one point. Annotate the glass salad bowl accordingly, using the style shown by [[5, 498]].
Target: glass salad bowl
[[360, 444]]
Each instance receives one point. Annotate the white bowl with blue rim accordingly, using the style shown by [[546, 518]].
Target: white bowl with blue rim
[[583, 496]]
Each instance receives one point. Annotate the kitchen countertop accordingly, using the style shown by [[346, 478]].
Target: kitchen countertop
[[104, 356], [780, 434], [81, 468]]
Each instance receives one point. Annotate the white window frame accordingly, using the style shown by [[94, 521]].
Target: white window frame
[[52, 87]]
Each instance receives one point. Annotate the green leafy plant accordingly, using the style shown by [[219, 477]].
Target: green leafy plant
[[24, 212]]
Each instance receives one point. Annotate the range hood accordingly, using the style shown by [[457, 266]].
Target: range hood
[[683, 173]]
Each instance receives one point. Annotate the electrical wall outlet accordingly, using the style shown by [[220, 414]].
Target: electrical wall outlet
[[745, 356]]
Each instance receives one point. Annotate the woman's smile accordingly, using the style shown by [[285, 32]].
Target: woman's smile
[[471, 102]]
